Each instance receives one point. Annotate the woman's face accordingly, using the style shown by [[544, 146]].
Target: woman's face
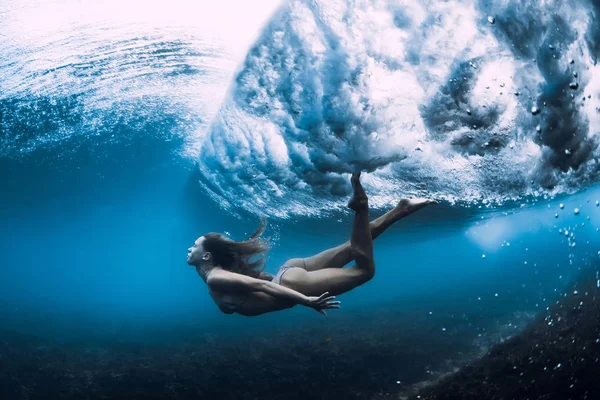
[[196, 252]]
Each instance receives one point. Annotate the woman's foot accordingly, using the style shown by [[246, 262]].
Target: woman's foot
[[408, 206], [359, 200]]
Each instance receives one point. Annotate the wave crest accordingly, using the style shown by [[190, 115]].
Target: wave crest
[[431, 99]]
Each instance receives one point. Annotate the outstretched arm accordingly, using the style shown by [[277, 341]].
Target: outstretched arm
[[230, 281]]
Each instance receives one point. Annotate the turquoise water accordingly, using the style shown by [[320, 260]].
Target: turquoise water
[[124, 139]]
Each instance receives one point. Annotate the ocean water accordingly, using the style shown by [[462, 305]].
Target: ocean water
[[130, 128]]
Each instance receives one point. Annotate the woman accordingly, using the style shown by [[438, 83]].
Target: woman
[[238, 285]]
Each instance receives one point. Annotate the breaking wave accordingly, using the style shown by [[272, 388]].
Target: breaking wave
[[462, 101]]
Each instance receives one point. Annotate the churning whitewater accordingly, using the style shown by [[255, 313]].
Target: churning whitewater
[[74, 73], [455, 100]]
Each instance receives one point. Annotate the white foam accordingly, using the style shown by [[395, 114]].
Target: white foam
[[338, 86]]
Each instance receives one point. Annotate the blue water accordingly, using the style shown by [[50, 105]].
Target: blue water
[[111, 251], [120, 148]]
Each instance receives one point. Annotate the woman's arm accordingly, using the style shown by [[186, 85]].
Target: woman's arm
[[229, 281]]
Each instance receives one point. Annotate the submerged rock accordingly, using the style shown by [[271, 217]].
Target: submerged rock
[[548, 360]]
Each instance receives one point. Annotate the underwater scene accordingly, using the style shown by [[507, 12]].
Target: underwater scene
[[180, 199]]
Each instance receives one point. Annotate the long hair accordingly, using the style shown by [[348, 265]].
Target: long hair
[[240, 257]]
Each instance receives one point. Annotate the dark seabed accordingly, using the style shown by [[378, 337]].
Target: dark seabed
[[387, 355], [379, 353], [557, 357]]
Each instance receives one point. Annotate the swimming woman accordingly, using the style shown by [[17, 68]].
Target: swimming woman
[[237, 284]]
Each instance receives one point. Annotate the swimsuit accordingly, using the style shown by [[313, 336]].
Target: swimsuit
[[280, 273]]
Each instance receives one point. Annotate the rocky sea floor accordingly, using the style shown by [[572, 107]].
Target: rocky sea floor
[[431, 351], [556, 357]]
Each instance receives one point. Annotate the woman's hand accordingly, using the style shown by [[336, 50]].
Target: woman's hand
[[322, 303]]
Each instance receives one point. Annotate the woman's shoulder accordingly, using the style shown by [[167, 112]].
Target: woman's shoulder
[[223, 280], [219, 278]]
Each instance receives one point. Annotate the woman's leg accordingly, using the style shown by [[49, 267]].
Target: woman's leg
[[340, 280], [341, 255]]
